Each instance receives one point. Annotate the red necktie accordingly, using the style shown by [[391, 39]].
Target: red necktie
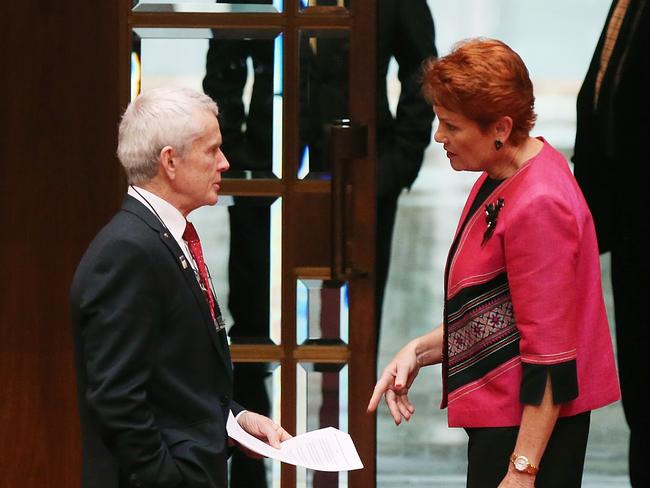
[[192, 238]]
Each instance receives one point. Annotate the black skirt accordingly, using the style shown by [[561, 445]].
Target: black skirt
[[489, 450]]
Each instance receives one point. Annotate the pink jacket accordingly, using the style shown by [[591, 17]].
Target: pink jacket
[[530, 293]]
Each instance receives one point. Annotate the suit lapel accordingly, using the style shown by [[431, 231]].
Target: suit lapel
[[218, 338]]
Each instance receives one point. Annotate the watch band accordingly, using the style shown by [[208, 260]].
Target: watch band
[[522, 464]]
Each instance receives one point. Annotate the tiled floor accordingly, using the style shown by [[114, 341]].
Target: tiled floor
[[425, 452]]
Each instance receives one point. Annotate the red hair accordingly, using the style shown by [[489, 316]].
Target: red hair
[[483, 79]]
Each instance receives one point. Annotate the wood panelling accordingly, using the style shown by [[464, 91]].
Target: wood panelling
[[312, 225], [59, 183], [63, 79]]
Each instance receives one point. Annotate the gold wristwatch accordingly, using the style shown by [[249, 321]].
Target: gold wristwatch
[[522, 464]]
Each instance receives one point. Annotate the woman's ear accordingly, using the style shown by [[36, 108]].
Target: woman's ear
[[503, 128]]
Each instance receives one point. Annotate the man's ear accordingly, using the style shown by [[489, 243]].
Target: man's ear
[[168, 162], [503, 128]]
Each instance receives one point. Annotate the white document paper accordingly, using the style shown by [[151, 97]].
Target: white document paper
[[327, 449]]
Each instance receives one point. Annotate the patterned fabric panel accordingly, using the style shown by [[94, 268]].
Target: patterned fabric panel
[[482, 332]]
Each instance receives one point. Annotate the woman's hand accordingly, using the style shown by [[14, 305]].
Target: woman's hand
[[397, 377], [394, 383]]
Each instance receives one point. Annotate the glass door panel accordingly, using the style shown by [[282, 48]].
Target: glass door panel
[[324, 6], [242, 239], [324, 96], [322, 392], [207, 6], [243, 75], [322, 314]]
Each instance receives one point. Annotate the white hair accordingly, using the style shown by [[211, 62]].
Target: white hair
[[156, 118]]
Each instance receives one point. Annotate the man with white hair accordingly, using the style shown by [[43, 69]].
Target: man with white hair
[[153, 365]]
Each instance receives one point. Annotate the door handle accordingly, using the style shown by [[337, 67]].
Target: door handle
[[346, 142]]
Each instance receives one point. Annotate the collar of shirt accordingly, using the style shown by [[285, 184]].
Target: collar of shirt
[[170, 215]]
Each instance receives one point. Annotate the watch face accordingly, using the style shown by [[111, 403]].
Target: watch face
[[521, 463]]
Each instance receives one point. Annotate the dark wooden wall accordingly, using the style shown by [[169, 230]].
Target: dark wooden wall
[[59, 182]]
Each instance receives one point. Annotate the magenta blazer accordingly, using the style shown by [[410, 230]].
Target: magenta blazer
[[525, 301]]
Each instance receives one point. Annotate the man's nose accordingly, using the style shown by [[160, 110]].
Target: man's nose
[[223, 162]]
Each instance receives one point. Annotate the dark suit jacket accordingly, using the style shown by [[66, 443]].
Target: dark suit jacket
[[405, 31], [154, 375], [612, 149]]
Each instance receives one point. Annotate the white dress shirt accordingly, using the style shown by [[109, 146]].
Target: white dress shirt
[[168, 214]]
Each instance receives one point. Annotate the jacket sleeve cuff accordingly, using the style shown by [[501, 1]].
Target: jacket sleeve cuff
[[236, 409], [564, 382]]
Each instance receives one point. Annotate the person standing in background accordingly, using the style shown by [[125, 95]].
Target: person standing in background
[[405, 31], [248, 141], [611, 157]]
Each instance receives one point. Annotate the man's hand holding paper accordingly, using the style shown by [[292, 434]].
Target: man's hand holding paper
[[326, 449]]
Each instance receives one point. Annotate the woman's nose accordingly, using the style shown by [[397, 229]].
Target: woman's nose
[[438, 136]]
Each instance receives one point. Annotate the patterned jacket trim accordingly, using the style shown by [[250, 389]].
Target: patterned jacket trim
[[481, 331]]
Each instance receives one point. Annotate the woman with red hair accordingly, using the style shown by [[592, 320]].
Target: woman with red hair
[[525, 346]]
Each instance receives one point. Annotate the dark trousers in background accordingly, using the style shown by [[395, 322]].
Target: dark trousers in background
[[248, 302], [489, 451], [630, 274], [249, 390], [386, 211]]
